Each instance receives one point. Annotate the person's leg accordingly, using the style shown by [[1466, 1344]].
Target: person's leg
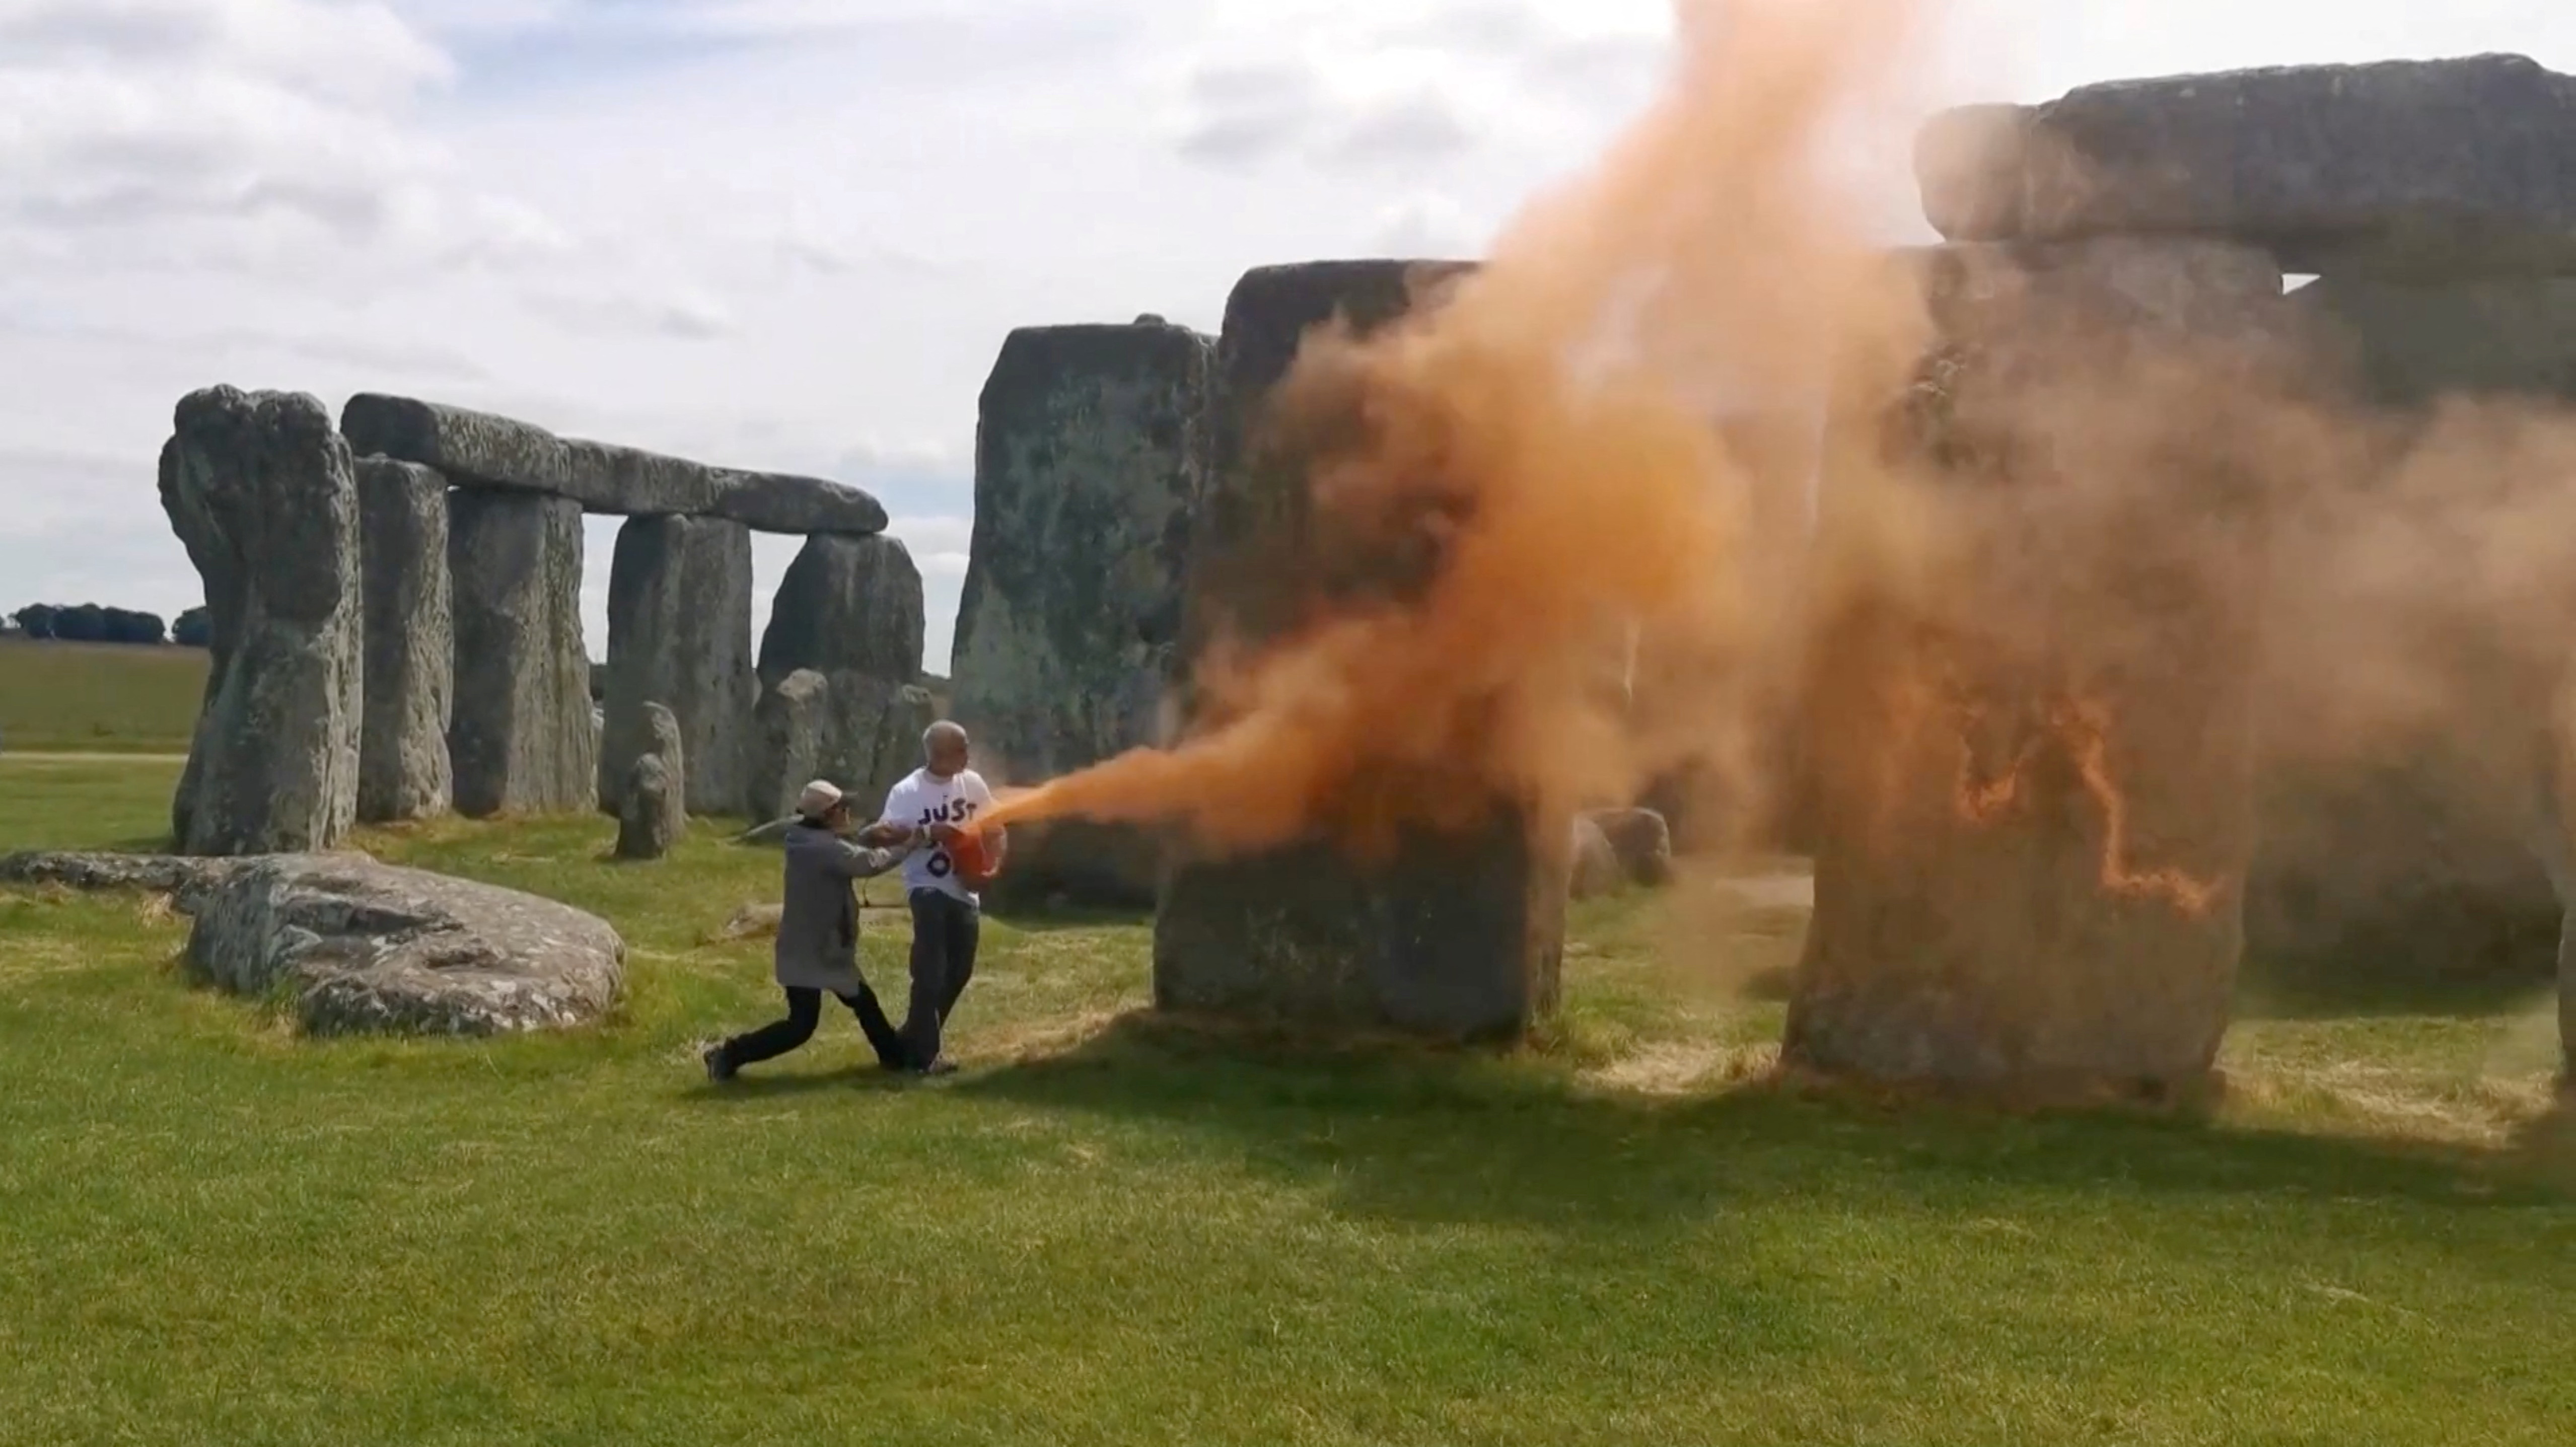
[[804, 1010], [965, 929], [929, 979], [879, 1030]]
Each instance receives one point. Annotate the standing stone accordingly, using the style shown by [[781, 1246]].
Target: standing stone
[[403, 768], [523, 741], [787, 747], [1449, 934], [679, 634], [846, 605], [263, 493], [2034, 774], [653, 808], [1089, 462], [1594, 870], [850, 610], [2425, 168], [2415, 844]]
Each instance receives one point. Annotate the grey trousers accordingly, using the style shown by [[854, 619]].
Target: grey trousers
[[944, 933]]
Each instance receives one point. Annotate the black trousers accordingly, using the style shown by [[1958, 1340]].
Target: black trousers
[[804, 1012], [944, 932]]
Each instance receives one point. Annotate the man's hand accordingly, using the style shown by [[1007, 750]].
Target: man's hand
[[885, 834]]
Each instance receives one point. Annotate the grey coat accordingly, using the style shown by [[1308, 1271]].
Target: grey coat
[[818, 923]]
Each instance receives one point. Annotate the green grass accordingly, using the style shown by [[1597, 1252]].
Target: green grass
[[1108, 1231], [98, 698]]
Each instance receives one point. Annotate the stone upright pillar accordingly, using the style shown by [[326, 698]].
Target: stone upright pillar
[[1089, 461], [2421, 839], [403, 770], [262, 491], [679, 634], [2034, 777], [1455, 935], [521, 741], [849, 610]]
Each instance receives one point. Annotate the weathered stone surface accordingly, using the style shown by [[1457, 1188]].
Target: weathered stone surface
[[263, 493], [158, 873], [1454, 935], [679, 635], [1595, 868], [522, 740], [2415, 852], [1640, 841], [2033, 805], [1090, 457], [366, 947], [2410, 345], [857, 731], [481, 449], [411, 643], [2426, 168], [846, 605], [653, 818], [788, 731]]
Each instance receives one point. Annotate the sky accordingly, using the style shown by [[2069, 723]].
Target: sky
[[792, 234]]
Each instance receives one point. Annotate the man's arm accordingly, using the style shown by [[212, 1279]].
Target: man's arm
[[851, 861]]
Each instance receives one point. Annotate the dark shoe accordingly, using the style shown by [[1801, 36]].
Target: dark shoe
[[719, 1069], [941, 1066]]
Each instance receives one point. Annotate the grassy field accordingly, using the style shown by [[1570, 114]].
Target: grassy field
[[98, 698], [1107, 1231]]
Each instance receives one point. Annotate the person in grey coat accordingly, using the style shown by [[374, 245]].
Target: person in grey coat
[[818, 939]]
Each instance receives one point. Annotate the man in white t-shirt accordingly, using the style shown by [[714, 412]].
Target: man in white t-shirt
[[941, 799]]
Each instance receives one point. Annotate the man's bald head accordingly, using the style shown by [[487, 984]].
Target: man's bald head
[[944, 748]]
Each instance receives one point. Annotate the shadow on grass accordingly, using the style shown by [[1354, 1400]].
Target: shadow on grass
[[785, 1085], [1524, 1142], [2352, 989]]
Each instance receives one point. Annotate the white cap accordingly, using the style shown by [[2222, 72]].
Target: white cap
[[817, 800]]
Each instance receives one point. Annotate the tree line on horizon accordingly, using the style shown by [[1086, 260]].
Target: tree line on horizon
[[91, 623]]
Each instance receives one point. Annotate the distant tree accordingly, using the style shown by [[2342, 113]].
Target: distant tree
[[128, 625], [195, 629], [84, 624], [36, 620]]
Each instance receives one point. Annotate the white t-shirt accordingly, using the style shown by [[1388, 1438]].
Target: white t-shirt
[[924, 799]]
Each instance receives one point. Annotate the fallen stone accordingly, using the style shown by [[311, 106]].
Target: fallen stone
[[403, 770], [1640, 842], [679, 635], [523, 740], [152, 873], [2436, 168], [2033, 805], [751, 922], [477, 448], [366, 947], [1595, 868], [1089, 462], [846, 605], [263, 494], [1451, 935]]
